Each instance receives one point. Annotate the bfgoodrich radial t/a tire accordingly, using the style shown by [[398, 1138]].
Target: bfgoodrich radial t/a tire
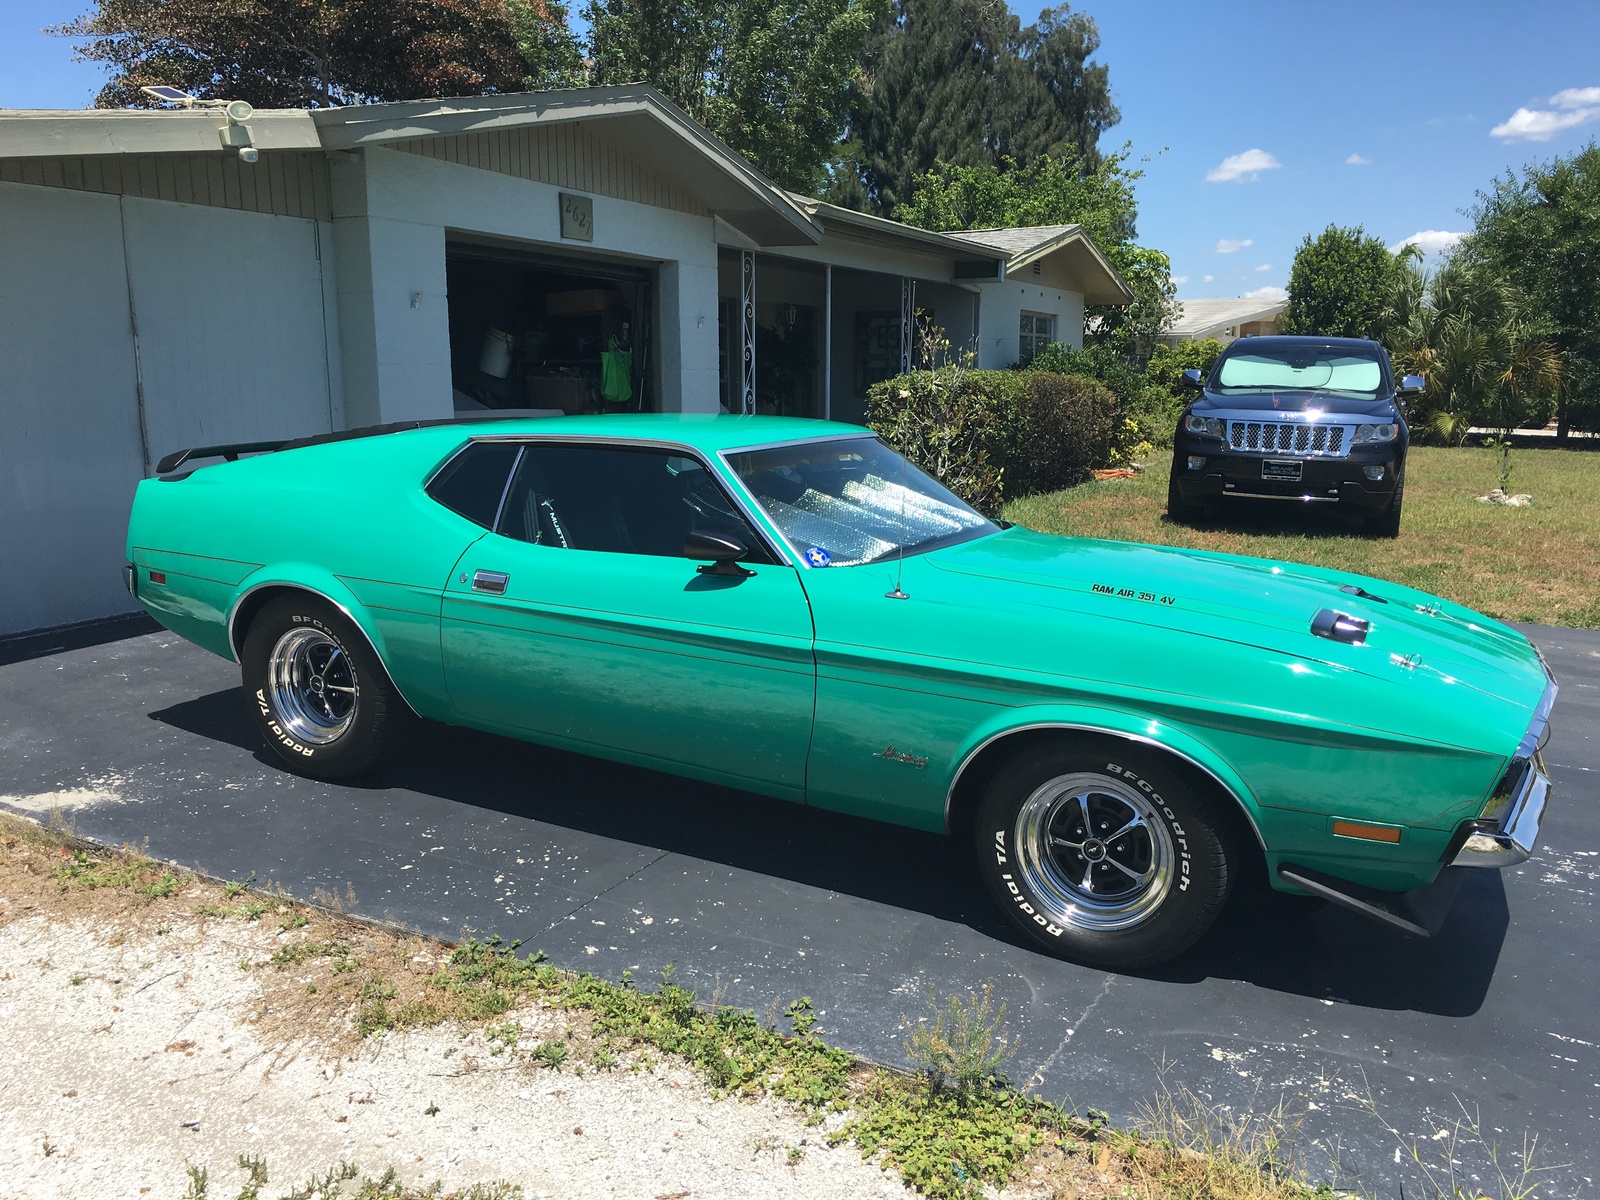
[[318, 693], [1103, 854]]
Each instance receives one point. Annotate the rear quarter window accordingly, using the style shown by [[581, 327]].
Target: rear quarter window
[[473, 481]]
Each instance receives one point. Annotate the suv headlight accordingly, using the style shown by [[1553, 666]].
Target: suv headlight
[[1375, 433], [1210, 426]]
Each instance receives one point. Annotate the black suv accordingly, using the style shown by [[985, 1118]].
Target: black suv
[[1308, 420]]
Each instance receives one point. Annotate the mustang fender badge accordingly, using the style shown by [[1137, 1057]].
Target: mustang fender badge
[[891, 754]]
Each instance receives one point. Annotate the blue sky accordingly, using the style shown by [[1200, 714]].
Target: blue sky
[[1264, 120]]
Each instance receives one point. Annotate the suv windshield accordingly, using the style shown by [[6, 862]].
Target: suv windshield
[[853, 500], [1345, 370]]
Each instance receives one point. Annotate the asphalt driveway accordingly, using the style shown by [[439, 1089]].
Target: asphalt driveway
[[609, 868]]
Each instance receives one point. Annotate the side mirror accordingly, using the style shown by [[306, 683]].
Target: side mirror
[[1411, 385], [1192, 379], [723, 553]]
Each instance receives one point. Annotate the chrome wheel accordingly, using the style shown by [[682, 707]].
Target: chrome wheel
[[312, 685], [1093, 852]]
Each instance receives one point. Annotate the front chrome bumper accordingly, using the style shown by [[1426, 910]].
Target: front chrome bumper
[[1506, 838], [1503, 835]]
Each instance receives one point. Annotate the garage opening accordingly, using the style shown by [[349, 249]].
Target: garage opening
[[549, 335]]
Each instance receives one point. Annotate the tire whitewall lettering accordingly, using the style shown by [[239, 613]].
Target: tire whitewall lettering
[[319, 694], [1114, 859]]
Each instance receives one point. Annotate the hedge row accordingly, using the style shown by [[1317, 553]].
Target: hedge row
[[992, 436]]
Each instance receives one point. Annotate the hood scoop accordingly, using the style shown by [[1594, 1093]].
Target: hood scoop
[[1340, 627]]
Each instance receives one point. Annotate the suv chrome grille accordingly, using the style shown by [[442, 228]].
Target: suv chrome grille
[[1288, 437]]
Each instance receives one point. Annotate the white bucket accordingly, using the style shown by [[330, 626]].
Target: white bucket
[[495, 358]]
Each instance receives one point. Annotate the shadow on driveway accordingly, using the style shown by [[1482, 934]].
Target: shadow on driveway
[[1279, 943]]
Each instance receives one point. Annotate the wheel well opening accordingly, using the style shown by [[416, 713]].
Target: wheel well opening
[[249, 608], [969, 788]]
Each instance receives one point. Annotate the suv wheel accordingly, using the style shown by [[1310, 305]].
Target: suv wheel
[[1387, 523]]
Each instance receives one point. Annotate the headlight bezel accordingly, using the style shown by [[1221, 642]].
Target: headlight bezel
[[1375, 433], [1213, 427]]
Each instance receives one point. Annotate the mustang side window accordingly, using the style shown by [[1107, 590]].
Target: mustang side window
[[620, 500], [473, 482]]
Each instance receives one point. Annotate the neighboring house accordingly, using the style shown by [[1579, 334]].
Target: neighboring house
[[419, 260], [1051, 273], [1224, 320]]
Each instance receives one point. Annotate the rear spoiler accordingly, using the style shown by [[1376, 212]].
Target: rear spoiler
[[231, 453]]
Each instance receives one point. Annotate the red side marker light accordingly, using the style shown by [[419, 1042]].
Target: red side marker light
[[158, 576]]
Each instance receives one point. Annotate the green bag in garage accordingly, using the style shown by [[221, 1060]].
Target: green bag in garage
[[616, 374]]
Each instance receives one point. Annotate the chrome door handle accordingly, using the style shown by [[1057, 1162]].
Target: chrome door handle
[[493, 582]]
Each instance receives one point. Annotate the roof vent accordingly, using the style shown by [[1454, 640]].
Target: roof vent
[[1038, 268], [1340, 627]]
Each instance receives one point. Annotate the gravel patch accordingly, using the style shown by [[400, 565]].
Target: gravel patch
[[139, 1055]]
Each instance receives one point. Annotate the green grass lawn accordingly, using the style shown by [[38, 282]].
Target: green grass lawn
[[1540, 563]]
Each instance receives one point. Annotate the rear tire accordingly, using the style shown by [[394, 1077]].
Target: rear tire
[[1103, 855], [318, 692]]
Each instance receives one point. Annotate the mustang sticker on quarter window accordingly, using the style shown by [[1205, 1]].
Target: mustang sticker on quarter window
[[818, 557]]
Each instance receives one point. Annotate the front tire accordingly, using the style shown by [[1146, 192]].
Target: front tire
[[1105, 856], [1178, 509], [319, 694], [1387, 523]]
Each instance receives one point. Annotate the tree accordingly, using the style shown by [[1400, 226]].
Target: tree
[[316, 53], [1340, 284], [1464, 330], [1540, 232], [960, 82], [771, 78], [1061, 190]]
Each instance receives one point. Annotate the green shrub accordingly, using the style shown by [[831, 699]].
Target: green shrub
[[1068, 427], [958, 425]]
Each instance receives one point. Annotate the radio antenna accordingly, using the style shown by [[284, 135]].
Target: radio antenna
[[900, 563]]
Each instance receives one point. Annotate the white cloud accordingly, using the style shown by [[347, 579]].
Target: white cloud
[[1429, 241], [1238, 167], [1355, 160], [1576, 97], [1568, 108], [1266, 293], [1233, 245], [1180, 279], [1207, 278], [1263, 267]]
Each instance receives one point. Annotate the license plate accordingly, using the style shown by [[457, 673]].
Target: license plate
[[1277, 468]]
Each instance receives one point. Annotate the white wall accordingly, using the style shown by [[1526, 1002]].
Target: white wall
[[70, 450], [230, 315], [394, 210], [1000, 317]]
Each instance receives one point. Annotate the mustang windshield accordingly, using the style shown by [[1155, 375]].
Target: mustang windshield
[[854, 500], [1302, 368]]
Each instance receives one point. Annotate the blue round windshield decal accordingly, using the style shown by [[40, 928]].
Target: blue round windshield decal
[[818, 557]]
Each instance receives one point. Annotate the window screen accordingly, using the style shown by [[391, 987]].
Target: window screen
[[621, 501], [474, 480]]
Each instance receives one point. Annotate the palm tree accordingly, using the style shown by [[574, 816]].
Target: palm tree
[[1464, 331]]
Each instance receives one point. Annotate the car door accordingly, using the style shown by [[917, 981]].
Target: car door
[[578, 621]]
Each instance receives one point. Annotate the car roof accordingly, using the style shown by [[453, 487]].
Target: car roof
[[1298, 339], [709, 432]]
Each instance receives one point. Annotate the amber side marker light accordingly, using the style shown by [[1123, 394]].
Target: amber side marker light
[[1367, 833]]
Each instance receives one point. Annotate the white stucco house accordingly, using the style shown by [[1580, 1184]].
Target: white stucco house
[[427, 259]]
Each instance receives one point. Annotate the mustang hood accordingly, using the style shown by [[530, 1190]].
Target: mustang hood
[[1257, 602]]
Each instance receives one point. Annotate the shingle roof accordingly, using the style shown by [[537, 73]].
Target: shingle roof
[[1199, 317], [1017, 241]]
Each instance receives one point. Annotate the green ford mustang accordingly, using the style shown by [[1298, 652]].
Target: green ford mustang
[[1121, 732]]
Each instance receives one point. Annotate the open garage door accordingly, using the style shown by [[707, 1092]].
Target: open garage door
[[549, 333]]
